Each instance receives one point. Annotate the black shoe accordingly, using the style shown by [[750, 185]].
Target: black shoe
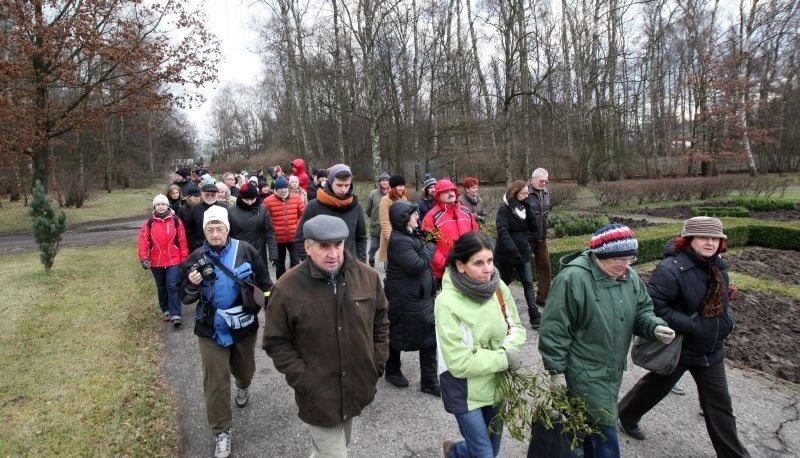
[[432, 390], [536, 321], [632, 431], [397, 379], [372, 263]]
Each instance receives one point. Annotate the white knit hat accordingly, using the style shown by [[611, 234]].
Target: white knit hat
[[160, 199], [216, 213]]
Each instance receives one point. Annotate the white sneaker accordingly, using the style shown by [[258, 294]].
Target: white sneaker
[[242, 396], [223, 449]]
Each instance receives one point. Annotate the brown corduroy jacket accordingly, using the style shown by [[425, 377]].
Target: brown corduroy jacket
[[331, 341]]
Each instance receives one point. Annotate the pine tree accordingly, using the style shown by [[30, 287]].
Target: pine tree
[[47, 226]]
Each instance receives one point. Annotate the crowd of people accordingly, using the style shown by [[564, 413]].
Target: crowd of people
[[333, 327]]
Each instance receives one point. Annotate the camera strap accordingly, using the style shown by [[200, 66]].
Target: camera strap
[[257, 293], [228, 271]]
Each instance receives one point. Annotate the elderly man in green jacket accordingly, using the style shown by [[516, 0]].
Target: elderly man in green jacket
[[596, 305]]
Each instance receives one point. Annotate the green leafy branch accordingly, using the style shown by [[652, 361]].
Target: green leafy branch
[[528, 400]]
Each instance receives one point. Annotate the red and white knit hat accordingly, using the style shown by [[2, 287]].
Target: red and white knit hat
[[614, 241]]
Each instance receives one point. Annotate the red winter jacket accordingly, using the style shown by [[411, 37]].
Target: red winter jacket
[[453, 220], [285, 215], [162, 243], [300, 172]]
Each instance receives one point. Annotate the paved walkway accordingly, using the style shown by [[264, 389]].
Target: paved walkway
[[408, 423]]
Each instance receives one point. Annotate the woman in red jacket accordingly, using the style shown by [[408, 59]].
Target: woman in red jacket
[[162, 249]]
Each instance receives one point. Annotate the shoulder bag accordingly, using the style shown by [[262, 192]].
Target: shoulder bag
[[655, 356]]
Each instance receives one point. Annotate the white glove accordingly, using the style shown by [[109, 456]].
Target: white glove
[[557, 381], [664, 334]]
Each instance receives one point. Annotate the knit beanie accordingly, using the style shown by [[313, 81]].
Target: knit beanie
[[160, 199], [294, 179], [397, 180], [248, 191], [383, 176], [614, 241], [338, 168], [703, 226], [429, 181], [281, 182], [216, 213]]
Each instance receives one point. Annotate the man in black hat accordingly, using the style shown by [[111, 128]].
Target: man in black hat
[[194, 223], [327, 331]]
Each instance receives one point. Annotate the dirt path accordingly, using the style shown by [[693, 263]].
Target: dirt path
[[80, 235]]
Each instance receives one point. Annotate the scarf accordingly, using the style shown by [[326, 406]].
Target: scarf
[[328, 199], [712, 303], [163, 214], [474, 201], [473, 289], [245, 206]]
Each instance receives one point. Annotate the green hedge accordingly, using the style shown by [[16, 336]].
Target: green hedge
[[567, 224], [735, 212], [740, 232], [765, 204]]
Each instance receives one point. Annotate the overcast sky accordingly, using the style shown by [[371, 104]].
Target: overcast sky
[[229, 21]]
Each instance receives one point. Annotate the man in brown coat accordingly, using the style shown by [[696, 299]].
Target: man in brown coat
[[327, 331]]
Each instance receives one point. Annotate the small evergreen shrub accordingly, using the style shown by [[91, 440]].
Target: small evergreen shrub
[[47, 226], [565, 225], [736, 212]]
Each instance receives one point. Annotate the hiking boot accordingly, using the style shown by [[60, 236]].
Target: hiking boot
[[446, 446], [433, 390], [632, 431], [397, 379], [223, 448], [677, 389], [176, 322], [242, 396]]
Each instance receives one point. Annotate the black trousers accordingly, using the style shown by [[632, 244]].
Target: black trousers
[[712, 388], [427, 365]]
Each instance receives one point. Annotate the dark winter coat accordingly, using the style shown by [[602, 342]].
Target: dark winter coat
[[352, 214], [208, 292], [678, 286], [512, 233], [410, 286], [539, 201], [252, 223], [194, 224], [425, 206], [329, 339]]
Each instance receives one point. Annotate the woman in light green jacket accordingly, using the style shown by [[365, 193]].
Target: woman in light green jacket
[[478, 334]]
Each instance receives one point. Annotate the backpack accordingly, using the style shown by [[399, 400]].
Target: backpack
[[177, 223]]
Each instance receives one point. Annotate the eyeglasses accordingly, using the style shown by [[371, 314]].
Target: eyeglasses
[[629, 260]]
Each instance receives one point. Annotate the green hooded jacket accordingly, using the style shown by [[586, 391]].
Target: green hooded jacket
[[587, 327]]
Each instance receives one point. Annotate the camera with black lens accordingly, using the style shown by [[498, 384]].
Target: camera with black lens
[[206, 269]]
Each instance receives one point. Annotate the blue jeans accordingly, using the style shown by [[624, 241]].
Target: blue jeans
[[167, 286], [374, 244], [594, 446], [478, 441]]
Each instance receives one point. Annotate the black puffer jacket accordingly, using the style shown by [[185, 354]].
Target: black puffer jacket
[[253, 224], [410, 286], [678, 287], [512, 233]]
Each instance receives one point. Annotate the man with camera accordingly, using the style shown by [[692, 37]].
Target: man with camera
[[219, 276], [327, 331]]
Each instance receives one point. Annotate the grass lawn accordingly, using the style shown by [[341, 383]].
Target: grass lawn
[[81, 351], [99, 206]]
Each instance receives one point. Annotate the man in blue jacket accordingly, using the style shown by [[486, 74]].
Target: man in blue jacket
[[226, 321]]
